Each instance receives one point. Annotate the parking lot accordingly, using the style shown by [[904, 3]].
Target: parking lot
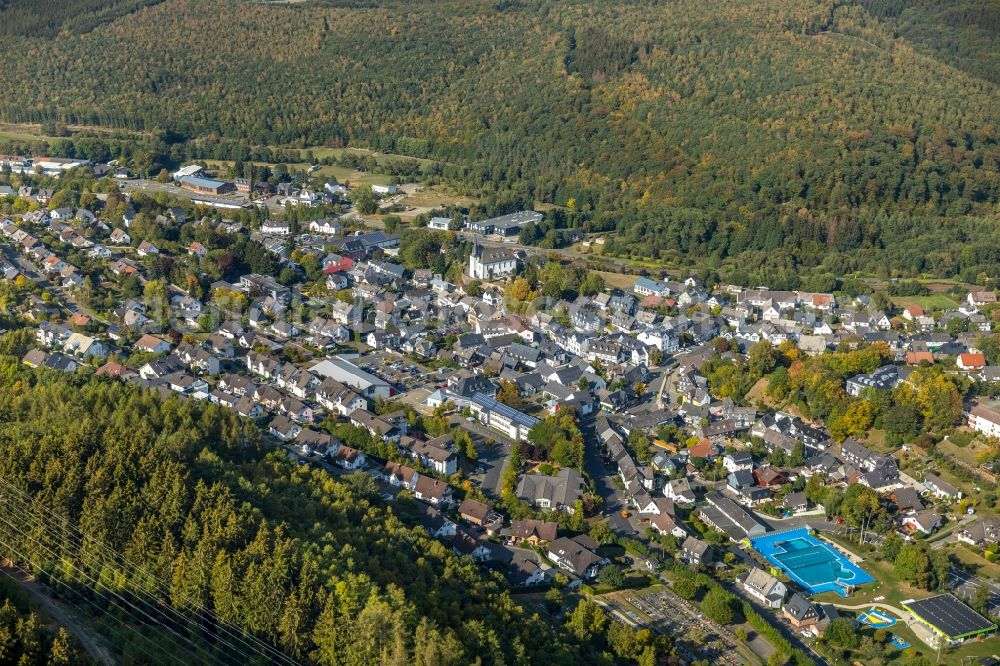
[[403, 374]]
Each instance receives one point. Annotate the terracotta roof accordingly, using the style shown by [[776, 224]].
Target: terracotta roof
[[916, 357], [973, 360]]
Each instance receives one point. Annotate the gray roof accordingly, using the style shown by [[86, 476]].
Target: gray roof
[[800, 608], [562, 490]]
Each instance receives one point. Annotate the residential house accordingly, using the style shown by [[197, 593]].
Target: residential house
[[151, 344], [800, 612], [576, 555], [985, 420], [982, 532], [534, 532], [764, 587], [552, 493], [695, 551], [348, 458], [941, 488]]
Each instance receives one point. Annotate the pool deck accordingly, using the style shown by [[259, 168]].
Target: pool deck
[[768, 546]]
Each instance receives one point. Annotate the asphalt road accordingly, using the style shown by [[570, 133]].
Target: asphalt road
[[602, 476], [965, 584], [64, 297]]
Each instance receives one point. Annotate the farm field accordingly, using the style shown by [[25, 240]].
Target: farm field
[[929, 302]]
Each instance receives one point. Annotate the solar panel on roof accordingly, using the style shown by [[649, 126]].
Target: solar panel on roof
[[950, 616], [504, 410]]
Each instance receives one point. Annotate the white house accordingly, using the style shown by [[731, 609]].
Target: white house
[[764, 587], [276, 228], [490, 263], [985, 420], [665, 340], [325, 226], [439, 223], [348, 458], [738, 461], [84, 346]]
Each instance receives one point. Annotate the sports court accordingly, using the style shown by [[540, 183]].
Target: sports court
[[876, 618], [813, 564]]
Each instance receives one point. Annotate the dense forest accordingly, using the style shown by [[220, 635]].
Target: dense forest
[[963, 33], [224, 533], [767, 139], [27, 638], [47, 18]]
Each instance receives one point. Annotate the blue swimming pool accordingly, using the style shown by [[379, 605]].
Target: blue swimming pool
[[813, 564]]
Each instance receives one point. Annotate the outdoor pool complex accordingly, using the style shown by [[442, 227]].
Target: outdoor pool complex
[[813, 564]]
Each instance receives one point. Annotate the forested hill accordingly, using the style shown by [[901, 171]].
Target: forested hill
[[765, 137], [964, 33], [317, 567]]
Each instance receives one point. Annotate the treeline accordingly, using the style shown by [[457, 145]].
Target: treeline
[[318, 567], [930, 400], [46, 18], [962, 33]]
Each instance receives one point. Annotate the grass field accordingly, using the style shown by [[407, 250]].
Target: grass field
[[30, 132], [967, 454], [876, 441], [980, 565], [895, 591], [931, 302], [22, 133], [342, 174], [620, 280]]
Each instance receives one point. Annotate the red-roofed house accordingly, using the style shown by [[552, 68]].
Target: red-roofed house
[[336, 263], [918, 357], [112, 369], [823, 301], [971, 361], [911, 312], [768, 477], [652, 301], [705, 449]]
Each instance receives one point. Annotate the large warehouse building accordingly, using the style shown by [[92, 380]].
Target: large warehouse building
[[205, 185]]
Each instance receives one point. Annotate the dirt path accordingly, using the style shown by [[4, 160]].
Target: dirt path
[[80, 630]]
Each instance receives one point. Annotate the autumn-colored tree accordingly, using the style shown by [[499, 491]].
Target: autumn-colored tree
[[509, 394], [856, 419]]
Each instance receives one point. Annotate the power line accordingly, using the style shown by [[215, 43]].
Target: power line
[[159, 606], [65, 600], [247, 640], [100, 610], [254, 644], [114, 598], [192, 653]]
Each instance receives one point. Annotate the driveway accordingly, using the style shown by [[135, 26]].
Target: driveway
[[494, 458]]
